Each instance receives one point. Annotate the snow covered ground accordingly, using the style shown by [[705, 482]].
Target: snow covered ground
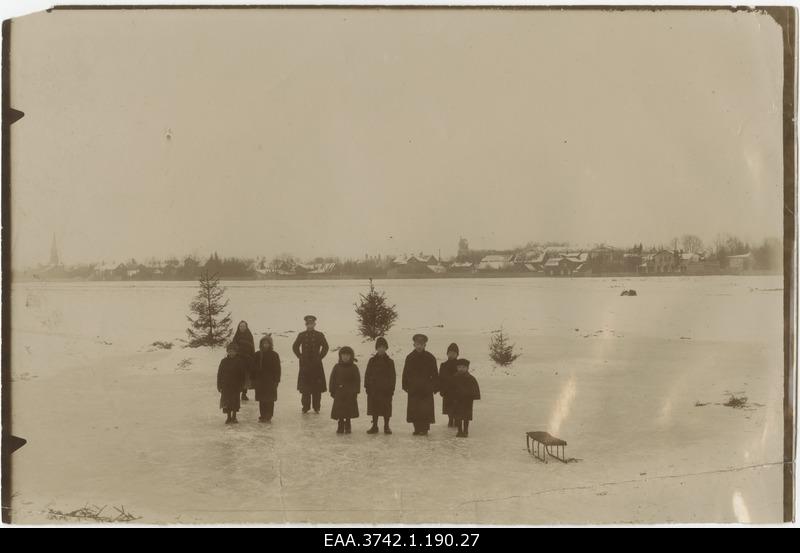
[[634, 384]]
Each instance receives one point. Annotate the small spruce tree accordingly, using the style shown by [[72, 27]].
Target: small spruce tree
[[375, 315], [500, 350], [210, 326]]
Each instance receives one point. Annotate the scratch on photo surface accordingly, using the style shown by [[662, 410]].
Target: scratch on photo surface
[[621, 482]]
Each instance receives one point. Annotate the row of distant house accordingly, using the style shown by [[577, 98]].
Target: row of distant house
[[551, 261], [290, 269], [558, 261]]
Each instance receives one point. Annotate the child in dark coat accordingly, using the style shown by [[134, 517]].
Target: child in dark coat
[[246, 345], [230, 379], [447, 371], [345, 385], [266, 376], [464, 390], [420, 380], [380, 380]]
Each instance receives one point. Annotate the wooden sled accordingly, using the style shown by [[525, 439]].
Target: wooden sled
[[542, 442]]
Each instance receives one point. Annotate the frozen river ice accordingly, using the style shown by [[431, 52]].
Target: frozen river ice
[[109, 421]]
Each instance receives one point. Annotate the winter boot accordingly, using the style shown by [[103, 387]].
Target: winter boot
[[386, 429], [347, 428], [229, 419], [340, 427], [374, 428], [465, 431], [234, 420]]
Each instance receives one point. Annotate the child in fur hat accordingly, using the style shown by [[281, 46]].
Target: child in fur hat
[[345, 385], [464, 391], [447, 371], [380, 380]]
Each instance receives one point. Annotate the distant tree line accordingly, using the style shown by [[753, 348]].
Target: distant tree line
[[767, 256]]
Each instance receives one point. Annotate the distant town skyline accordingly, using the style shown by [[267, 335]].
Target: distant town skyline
[[677, 243], [389, 132]]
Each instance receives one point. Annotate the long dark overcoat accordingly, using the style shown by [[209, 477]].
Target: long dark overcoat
[[310, 347], [380, 380], [447, 371], [420, 381], [463, 392], [345, 387], [247, 348], [266, 375], [230, 379]]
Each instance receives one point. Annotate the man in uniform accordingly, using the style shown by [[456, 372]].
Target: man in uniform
[[310, 347]]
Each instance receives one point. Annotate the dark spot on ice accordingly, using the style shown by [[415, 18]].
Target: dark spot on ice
[[737, 402]]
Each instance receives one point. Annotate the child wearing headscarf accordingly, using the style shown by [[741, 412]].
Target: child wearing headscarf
[[247, 349], [230, 379], [266, 376]]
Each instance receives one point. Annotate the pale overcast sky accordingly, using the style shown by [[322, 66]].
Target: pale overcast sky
[[341, 132]]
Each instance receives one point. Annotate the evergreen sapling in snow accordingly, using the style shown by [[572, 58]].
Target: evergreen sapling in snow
[[375, 315], [500, 350], [210, 326]]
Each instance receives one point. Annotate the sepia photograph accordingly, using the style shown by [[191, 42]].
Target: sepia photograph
[[399, 267]]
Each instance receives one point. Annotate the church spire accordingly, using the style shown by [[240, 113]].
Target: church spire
[[54, 259]]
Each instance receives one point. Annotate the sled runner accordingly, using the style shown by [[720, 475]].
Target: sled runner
[[542, 442]]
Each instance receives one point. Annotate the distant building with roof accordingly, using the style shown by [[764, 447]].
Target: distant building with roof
[[741, 262], [606, 259], [568, 264], [461, 267], [631, 262], [660, 262], [496, 262], [414, 264]]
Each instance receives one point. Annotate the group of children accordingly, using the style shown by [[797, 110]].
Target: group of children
[[260, 370], [243, 369]]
